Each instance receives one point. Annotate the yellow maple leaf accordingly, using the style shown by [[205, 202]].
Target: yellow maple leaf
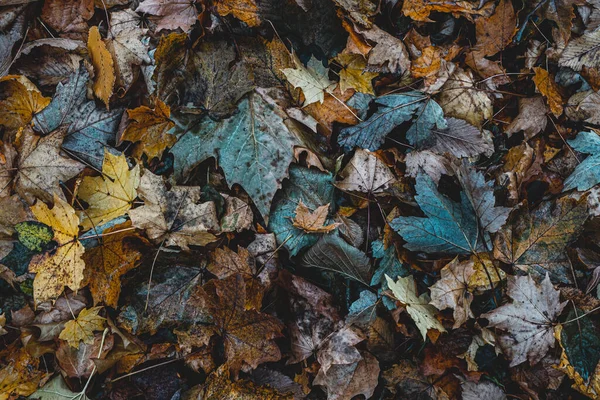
[[110, 195], [353, 74], [63, 267], [312, 221], [150, 127], [104, 68], [83, 327]]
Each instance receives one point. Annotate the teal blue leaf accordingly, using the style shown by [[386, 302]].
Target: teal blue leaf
[[362, 311], [315, 188], [449, 227], [89, 129], [581, 343], [253, 147], [392, 110], [332, 253], [429, 116], [388, 264], [586, 174]]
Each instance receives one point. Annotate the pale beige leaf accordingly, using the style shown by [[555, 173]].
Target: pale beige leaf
[[366, 173]]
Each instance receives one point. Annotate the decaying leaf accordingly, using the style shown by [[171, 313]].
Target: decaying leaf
[[104, 81], [313, 221], [169, 15]]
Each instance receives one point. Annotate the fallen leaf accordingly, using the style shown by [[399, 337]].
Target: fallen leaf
[[312, 79], [545, 84], [68, 16], [353, 74], [365, 173], [169, 15], [496, 32], [19, 375], [418, 307], [64, 266], [527, 339], [419, 10], [585, 175], [82, 328], [313, 221], [532, 118], [19, 101], [109, 195], [57, 389], [246, 11], [102, 61]]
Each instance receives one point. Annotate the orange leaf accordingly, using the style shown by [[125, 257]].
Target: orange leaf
[[313, 222], [544, 81], [103, 66]]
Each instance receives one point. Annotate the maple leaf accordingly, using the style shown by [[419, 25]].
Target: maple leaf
[[585, 175], [226, 262], [313, 221], [528, 320], [19, 101], [57, 389], [89, 129], [246, 11], [389, 55], [40, 167], [312, 79], [82, 327], [110, 195], [254, 148], [107, 262], [150, 129], [126, 47], [544, 81], [64, 266], [366, 173], [103, 66], [460, 281], [174, 217], [353, 74], [535, 241], [418, 307], [170, 15], [247, 333]]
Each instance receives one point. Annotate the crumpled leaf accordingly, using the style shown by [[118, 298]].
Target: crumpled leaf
[[346, 381], [580, 344], [496, 32], [449, 227], [418, 307], [482, 390], [174, 217], [254, 147], [104, 71], [313, 221], [419, 10], [40, 167], [82, 328], [312, 79], [460, 281], [109, 195], [19, 101], [150, 129], [20, 375], [582, 51], [332, 253], [170, 15], [535, 240], [64, 266], [586, 174], [89, 129], [389, 55], [365, 173], [530, 338], [532, 118], [68, 16]]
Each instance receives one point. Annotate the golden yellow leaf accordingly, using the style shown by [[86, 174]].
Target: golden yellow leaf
[[110, 195], [353, 74], [419, 10], [544, 82], [244, 10], [83, 327], [150, 127], [63, 267], [313, 221], [19, 100], [20, 376], [104, 69]]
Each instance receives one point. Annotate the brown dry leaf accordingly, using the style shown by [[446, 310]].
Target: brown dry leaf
[[419, 10], [389, 55], [19, 101], [545, 84], [333, 109], [311, 159], [104, 69], [346, 381], [174, 217], [68, 16], [64, 266], [460, 281], [170, 15], [150, 128], [494, 33], [244, 10], [226, 262], [82, 328], [247, 333], [366, 173], [353, 74], [313, 221], [105, 263], [40, 167], [532, 118], [110, 195], [79, 362], [461, 99], [19, 375], [434, 65]]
